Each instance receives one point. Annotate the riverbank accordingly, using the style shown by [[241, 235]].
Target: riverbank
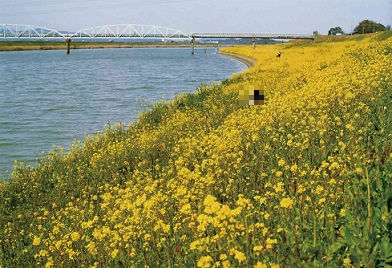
[[300, 181], [41, 45], [250, 62]]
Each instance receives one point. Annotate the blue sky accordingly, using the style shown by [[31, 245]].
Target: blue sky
[[262, 16]]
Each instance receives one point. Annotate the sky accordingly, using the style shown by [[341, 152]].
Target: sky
[[196, 16]]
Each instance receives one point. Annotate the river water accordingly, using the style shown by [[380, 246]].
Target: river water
[[49, 98]]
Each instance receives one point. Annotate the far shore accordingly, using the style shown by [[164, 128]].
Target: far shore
[[43, 45]]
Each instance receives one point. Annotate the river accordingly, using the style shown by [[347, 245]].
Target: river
[[49, 98]]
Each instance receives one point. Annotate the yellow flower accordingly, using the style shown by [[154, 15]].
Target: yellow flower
[[286, 203], [114, 253], [334, 165], [75, 236], [58, 244], [342, 212], [258, 248], [347, 261], [301, 189], [223, 257], [90, 247], [239, 256], [194, 245], [281, 163], [349, 127], [260, 265], [321, 201], [271, 242], [205, 261], [294, 168], [186, 209], [36, 241]]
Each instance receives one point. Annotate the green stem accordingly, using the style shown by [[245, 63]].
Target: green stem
[[369, 218], [314, 230]]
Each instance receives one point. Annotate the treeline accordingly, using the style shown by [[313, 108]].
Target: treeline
[[364, 27]]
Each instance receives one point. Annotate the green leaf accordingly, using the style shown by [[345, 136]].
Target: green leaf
[[351, 239], [386, 248], [389, 193], [336, 246], [349, 216]]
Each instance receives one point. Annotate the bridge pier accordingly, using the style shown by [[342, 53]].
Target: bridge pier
[[68, 43], [193, 45]]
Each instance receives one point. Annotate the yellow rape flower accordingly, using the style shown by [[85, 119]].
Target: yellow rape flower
[[238, 255], [260, 265], [334, 165], [342, 212], [186, 209], [258, 248], [205, 262], [286, 203], [75, 236], [114, 253], [49, 264], [321, 201], [271, 242], [294, 168], [223, 257], [36, 241]]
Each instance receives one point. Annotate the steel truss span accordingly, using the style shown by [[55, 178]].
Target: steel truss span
[[130, 31], [126, 31], [28, 31]]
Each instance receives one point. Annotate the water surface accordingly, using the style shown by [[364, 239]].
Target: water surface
[[49, 98]]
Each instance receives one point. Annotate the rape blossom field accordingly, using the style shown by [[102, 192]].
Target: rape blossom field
[[303, 180]]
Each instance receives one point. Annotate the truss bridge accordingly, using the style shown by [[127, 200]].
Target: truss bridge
[[127, 31]]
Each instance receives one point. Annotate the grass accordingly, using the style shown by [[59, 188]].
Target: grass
[[302, 181]]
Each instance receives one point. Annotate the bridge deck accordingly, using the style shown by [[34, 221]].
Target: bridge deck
[[252, 35]]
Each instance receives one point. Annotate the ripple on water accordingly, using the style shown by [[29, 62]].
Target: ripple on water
[[47, 97]]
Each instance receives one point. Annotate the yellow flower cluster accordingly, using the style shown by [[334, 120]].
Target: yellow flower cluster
[[206, 182]]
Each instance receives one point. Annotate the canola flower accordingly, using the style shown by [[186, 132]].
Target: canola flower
[[301, 181]]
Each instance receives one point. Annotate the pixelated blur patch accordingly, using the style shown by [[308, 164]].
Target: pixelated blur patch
[[251, 95]]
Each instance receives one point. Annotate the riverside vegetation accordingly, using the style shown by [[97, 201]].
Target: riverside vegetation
[[46, 45], [302, 181]]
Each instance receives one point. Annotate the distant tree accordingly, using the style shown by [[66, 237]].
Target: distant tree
[[369, 26], [315, 33], [336, 30], [388, 27]]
